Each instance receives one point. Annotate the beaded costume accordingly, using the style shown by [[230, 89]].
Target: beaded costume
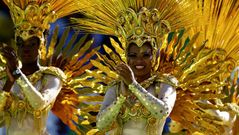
[[21, 111], [200, 62]]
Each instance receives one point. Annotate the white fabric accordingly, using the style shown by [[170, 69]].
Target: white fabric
[[49, 92]]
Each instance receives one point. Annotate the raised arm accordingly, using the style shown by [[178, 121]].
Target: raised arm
[[110, 108], [159, 107], [45, 96]]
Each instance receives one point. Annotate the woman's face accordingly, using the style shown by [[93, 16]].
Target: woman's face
[[140, 59], [28, 50]]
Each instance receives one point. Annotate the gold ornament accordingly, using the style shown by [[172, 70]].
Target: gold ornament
[[136, 21], [33, 17]]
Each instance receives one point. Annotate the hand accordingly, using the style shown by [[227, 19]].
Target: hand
[[11, 58], [125, 73]]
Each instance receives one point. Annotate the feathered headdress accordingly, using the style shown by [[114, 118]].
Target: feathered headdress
[[201, 67], [136, 21], [33, 17]]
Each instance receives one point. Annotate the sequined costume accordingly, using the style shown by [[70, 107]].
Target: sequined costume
[[24, 110], [145, 115], [201, 68], [30, 100]]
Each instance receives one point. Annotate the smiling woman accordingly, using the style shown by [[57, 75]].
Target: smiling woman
[[142, 92], [140, 60], [141, 99], [138, 103]]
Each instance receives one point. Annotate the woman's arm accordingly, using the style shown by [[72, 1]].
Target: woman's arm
[[45, 96], [110, 108], [159, 107], [4, 97]]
